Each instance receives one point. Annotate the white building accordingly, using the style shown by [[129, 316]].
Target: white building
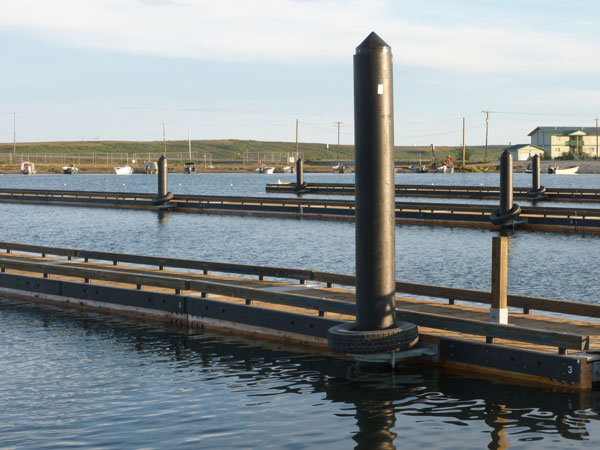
[[559, 141], [523, 152]]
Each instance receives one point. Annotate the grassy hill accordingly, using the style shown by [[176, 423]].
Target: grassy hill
[[231, 149]]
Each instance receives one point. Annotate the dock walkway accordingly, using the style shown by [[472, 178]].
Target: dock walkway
[[439, 214], [300, 305], [441, 191]]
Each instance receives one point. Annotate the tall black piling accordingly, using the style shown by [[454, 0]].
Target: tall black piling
[[507, 211], [300, 174], [537, 190], [374, 178], [163, 196], [376, 330]]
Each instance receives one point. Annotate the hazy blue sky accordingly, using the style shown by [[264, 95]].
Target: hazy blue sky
[[116, 69]]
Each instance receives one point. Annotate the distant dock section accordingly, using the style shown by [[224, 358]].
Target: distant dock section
[[466, 192], [435, 214]]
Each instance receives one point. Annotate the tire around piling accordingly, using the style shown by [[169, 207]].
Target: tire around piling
[[498, 219], [156, 201], [345, 339]]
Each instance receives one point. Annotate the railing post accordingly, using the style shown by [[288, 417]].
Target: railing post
[[499, 308]]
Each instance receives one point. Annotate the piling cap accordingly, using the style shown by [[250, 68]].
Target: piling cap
[[373, 44]]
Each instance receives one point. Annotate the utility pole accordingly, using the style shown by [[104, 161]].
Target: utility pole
[[338, 125], [597, 155], [464, 149], [15, 137], [487, 122], [296, 140]]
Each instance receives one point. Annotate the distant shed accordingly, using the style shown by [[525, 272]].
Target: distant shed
[[523, 152]]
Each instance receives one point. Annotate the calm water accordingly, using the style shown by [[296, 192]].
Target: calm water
[[81, 380]]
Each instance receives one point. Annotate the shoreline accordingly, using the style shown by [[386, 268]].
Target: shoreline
[[585, 167]]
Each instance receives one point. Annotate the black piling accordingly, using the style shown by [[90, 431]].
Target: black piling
[[537, 190], [374, 178], [300, 186], [163, 196], [507, 211], [375, 337]]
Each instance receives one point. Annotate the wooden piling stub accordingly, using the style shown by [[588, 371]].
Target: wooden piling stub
[[499, 308]]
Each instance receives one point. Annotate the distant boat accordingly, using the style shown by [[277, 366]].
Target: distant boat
[[287, 169], [150, 167], [448, 166], [189, 167], [566, 171], [265, 169], [70, 169], [418, 169], [123, 170], [340, 168], [446, 169], [28, 168]]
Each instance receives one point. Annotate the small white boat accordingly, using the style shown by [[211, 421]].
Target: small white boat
[[70, 169], [446, 169], [264, 169], [566, 171], [28, 168], [123, 170], [287, 169], [340, 168], [448, 166]]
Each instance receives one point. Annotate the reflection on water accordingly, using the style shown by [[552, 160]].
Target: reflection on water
[[74, 379], [162, 215]]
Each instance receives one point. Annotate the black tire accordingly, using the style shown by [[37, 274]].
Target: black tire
[[162, 200], [497, 219], [345, 339]]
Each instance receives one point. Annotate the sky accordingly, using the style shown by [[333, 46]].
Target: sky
[[89, 70]]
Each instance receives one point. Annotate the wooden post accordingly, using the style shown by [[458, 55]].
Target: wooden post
[[499, 309]]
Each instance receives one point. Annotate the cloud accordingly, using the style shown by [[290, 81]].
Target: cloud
[[302, 32]]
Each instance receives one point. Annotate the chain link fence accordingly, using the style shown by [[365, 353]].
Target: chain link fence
[[208, 159]]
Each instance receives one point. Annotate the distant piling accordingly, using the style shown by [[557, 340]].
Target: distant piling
[[300, 175], [507, 211], [537, 191], [163, 195]]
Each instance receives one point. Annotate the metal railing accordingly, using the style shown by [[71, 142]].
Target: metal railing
[[180, 282]]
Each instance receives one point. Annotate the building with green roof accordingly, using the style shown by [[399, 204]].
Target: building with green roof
[[582, 142]]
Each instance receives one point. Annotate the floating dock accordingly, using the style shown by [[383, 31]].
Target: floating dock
[[467, 192], [442, 214], [295, 305]]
